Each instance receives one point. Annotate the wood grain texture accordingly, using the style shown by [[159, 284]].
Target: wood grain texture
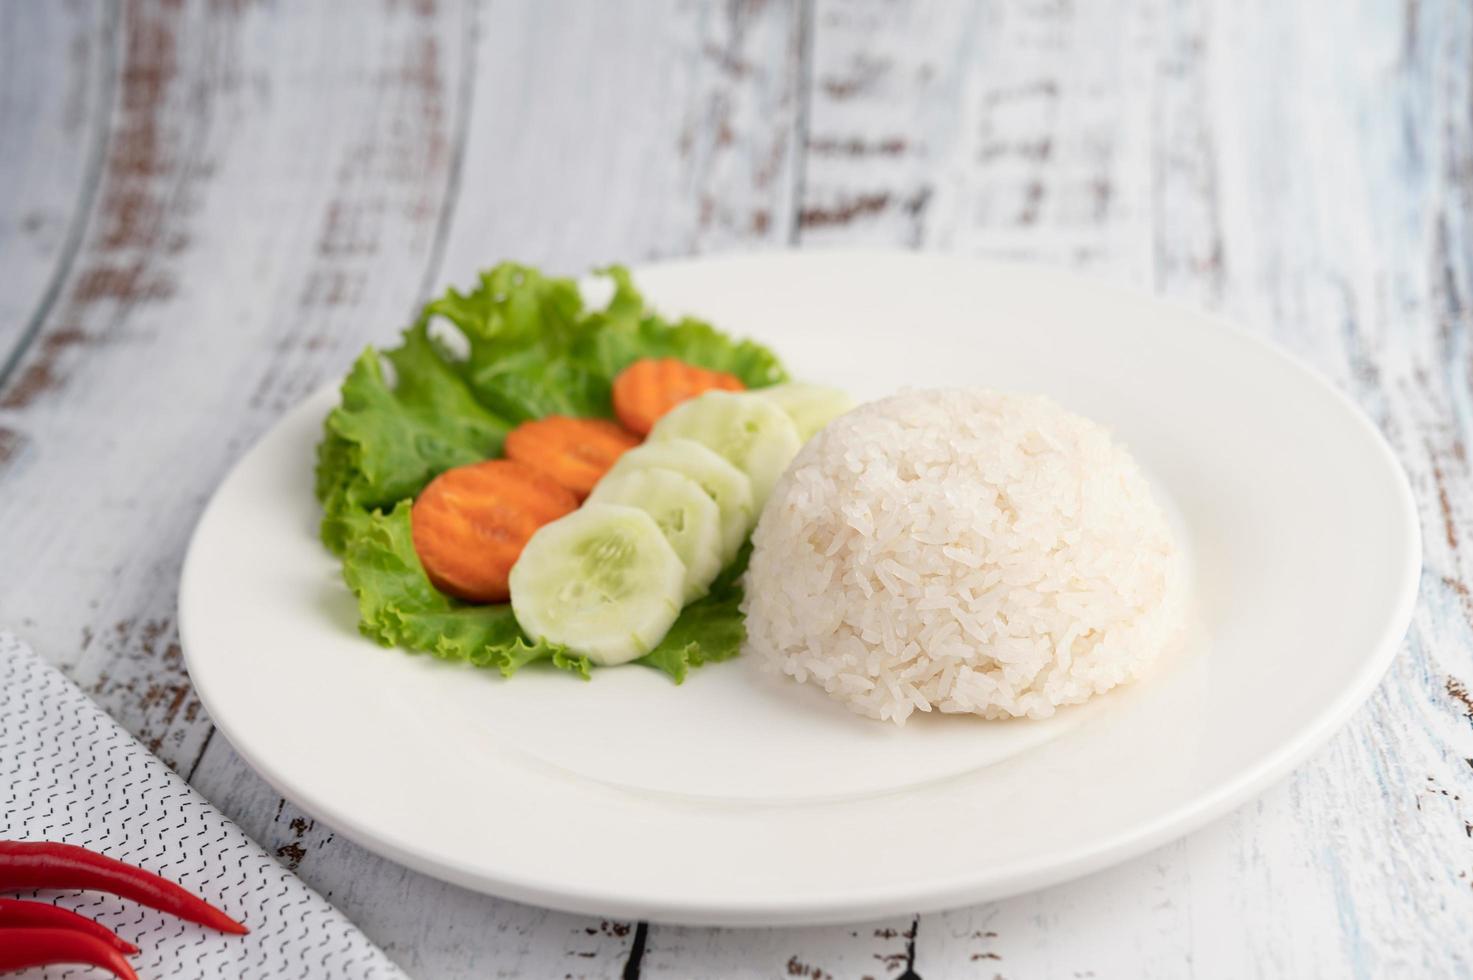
[[689, 108], [280, 185], [54, 123], [230, 252]]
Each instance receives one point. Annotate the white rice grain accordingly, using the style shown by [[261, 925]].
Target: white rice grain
[[962, 550]]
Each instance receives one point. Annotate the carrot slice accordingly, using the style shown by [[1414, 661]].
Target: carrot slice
[[649, 388], [574, 452], [471, 523]]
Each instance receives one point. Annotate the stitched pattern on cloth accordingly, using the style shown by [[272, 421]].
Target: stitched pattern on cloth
[[69, 773]]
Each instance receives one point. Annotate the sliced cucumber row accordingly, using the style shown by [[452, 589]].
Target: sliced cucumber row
[[608, 580], [723, 483]]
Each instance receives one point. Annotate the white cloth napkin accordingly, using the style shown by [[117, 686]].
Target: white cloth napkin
[[68, 773]]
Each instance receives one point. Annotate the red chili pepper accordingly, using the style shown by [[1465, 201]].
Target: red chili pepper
[[22, 948], [18, 914], [40, 864]]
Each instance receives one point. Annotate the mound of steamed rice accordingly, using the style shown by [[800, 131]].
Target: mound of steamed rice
[[963, 550]]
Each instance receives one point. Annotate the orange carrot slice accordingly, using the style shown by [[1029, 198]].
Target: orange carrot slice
[[574, 452], [649, 388], [471, 523]]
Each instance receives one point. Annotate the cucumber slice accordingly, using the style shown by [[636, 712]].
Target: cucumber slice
[[752, 433], [602, 581], [723, 483], [689, 519], [811, 407]]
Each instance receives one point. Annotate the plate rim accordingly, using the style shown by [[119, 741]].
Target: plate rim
[[958, 888]]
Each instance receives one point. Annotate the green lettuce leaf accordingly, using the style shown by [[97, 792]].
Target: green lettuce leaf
[[383, 444], [398, 606], [709, 630], [521, 328], [522, 346], [626, 330]]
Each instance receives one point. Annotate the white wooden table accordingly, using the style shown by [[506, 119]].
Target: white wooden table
[[207, 209]]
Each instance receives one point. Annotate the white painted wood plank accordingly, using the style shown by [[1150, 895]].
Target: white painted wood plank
[[53, 121], [602, 133], [883, 117], [1008, 129], [869, 949]]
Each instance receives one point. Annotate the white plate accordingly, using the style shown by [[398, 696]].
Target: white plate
[[743, 799]]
